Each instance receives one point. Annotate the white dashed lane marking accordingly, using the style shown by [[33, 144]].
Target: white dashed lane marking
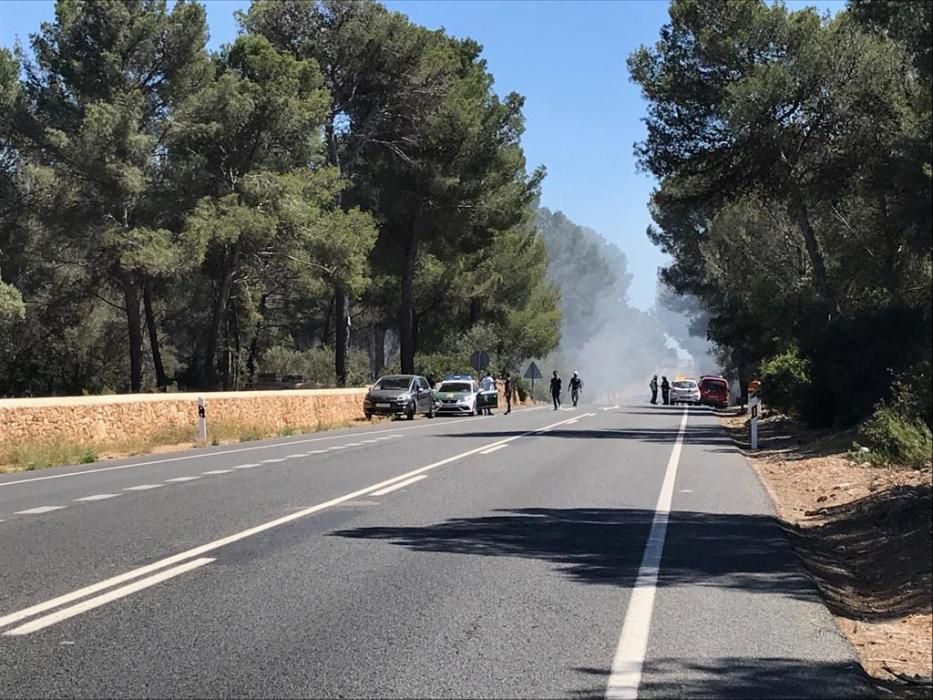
[[182, 478], [39, 510], [98, 497], [217, 471], [144, 487], [246, 466], [273, 461]]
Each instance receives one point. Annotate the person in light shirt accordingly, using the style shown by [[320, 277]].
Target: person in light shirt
[[488, 384]]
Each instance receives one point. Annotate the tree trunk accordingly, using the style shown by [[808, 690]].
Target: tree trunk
[[134, 325], [798, 210], [254, 343], [406, 317], [161, 379], [342, 339], [209, 369], [379, 349]]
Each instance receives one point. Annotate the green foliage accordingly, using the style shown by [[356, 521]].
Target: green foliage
[[793, 154], [894, 438], [11, 304], [785, 381]]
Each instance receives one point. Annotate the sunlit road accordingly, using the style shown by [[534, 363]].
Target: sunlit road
[[503, 556]]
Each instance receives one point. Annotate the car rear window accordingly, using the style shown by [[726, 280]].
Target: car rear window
[[685, 385], [716, 384], [392, 383], [455, 386]]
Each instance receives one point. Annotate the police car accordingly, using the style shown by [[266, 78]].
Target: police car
[[460, 395]]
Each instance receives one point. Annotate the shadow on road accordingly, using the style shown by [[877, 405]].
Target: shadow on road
[[698, 435], [740, 677], [604, 546]]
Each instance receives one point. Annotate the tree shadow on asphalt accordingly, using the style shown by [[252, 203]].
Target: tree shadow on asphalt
[[604, 546], [740, 677], [693, 435]]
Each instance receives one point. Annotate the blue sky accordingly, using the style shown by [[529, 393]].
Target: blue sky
[[567, 57]]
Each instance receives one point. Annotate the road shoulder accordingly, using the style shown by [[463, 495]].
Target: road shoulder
[[864, 536]]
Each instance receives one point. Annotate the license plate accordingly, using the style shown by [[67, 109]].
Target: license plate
[[383, 405]]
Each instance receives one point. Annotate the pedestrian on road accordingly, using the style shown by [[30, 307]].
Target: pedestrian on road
[[576, 386], [555, 389], [508, 394], [665, 391], [654, 389], [488, 384]]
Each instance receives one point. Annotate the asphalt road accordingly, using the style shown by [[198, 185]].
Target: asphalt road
[[598, 552]]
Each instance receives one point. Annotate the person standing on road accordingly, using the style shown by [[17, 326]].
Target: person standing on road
[[555, 389], [576, 386], [665, 391], [488, 384], [653, 385], [508, 394]]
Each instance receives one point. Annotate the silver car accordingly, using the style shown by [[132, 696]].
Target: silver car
[[399, 395], [685, 391]]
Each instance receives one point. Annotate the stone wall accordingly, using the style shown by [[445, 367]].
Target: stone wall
[[105, 420], [125, 418]]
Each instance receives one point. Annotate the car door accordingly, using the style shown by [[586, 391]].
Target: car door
[[424, 395]]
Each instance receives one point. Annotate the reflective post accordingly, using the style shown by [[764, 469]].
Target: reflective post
[[202, 420]]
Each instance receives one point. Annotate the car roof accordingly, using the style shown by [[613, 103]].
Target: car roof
[[398, 376]]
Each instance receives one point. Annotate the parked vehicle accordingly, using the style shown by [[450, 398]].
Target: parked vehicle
[[714, 391], [399, 395], [685, 391], [461, 395]]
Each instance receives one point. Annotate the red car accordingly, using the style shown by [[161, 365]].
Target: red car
[[714, 391]]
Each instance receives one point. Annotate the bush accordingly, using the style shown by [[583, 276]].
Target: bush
[[785, 381], [896, 439]]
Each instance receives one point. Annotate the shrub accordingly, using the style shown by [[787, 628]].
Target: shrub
[[895, 439], [785, 381]]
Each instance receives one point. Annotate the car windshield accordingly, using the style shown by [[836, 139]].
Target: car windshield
[[455, 386], [392, 383], [685, 385]]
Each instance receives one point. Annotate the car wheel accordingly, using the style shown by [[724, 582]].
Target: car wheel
[[369, 416], [411, 412], [431, 412]]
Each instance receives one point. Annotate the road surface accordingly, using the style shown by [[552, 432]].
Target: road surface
[[624, 551]]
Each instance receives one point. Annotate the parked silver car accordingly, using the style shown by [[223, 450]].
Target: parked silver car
[[399, 395]]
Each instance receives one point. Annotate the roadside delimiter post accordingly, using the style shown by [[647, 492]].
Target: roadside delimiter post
[[202, 420]]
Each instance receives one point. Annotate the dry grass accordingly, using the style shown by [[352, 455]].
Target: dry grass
[[39, 454]]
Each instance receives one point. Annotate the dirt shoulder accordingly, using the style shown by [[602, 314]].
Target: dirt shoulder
[[864, 533]]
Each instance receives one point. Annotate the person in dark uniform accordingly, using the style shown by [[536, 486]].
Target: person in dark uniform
[[665, 391], [653, 385], [508, 395], [555, 389]]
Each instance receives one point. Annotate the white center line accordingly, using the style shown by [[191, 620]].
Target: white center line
[[315, 452], [98, 497], [96, 602], [492, 449], [217, 471], [273, 461], [182, 478], [354, 444], [144, 487], [40, 509], [338, 447], [625, 676], [400, 485], [295, 456], [53, 603], [246, 466]]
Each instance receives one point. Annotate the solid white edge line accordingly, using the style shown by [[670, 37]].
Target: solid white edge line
[[109, 596], [400, 485], [493, 449], [218, 453], [230, 539], [625, 675]]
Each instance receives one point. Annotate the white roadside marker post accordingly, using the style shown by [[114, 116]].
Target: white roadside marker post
[[202, 420]]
